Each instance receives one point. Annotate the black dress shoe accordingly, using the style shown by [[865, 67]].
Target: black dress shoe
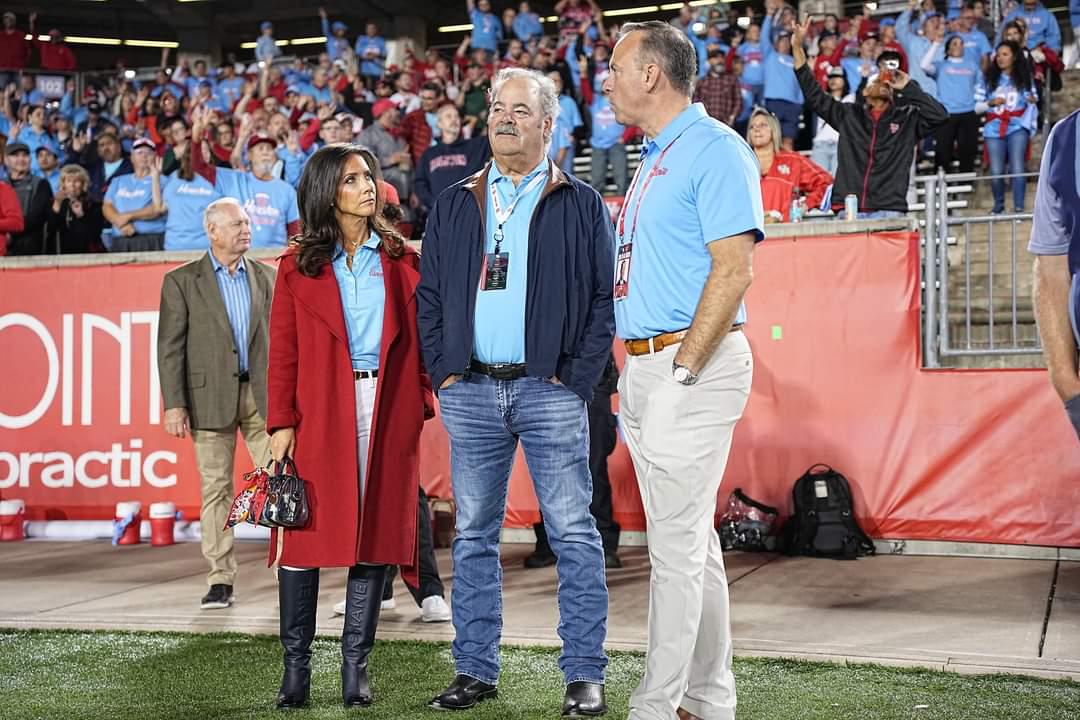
[[540, 560], [464, 693], [584, 699], [612, 561]]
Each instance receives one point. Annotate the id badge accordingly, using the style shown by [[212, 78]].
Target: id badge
[[495, 271], [622, 271]]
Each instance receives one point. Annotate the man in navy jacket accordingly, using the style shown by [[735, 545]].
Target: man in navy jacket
[[516, 323]]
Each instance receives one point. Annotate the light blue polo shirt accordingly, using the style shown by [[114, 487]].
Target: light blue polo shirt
[[363, 297], [499, 325], [708, 187]]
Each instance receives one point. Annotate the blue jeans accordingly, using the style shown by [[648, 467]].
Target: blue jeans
[[1011, 148], [485, 418]]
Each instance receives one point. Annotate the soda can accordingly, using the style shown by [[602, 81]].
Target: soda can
[[851, 207]]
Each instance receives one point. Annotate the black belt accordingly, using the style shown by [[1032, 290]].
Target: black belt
[[364, 374], [498, 371], [244, 377]]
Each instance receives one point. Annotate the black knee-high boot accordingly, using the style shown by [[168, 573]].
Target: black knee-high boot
[[298, 594], [363, 595]]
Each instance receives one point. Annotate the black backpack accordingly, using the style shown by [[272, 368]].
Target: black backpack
[[824, 524]]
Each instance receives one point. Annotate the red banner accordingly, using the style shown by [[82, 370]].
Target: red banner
[[834, 323]]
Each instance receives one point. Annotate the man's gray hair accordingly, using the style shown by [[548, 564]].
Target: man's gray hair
[[668, 47], [545, 88], [212, 214]]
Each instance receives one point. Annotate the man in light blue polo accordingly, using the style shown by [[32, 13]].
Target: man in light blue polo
[[684, 246], [1055, 241], [515, 318]]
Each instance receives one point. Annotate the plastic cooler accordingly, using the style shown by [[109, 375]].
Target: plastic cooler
[[162, 523], [12, 516], [130, 535]]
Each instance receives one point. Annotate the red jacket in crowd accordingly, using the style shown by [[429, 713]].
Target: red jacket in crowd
[[55, 56], [416, 131], [14, 50], [11, 216], [789, 171]]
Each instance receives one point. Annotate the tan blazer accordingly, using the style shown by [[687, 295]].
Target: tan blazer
[[197, 358]]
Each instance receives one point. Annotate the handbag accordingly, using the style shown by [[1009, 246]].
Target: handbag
[[275, 499]]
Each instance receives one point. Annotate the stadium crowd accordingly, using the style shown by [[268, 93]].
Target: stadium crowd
[[130, 165]]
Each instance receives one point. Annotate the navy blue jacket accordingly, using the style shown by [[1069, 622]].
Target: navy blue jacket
[[569, 315]]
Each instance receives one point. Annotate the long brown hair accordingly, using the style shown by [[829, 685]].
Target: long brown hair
[[317, 196]]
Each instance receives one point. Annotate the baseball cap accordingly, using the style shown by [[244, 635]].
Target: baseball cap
[[389, 193], [294, 89], [338, 25], [265, 25], [339, 63], [888, 22], [49, 147], [144, 143], [931, 14], [382, 106], [256, 139], [836, 72], [783, 34], [94, 107], [870, 35], [206, 82], [16, 147]]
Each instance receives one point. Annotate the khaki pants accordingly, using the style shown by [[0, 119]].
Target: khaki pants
[[679, 437], [214, 452]]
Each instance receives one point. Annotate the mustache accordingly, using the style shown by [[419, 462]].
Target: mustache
[[506, 129]]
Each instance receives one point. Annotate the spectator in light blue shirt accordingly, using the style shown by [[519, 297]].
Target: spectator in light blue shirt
[[976, 45], [35, 134], [752, 52], [568, 120], [918, 45], [1042, 26], [371, 50], [30, 95], [133, 204], [230, 86], [527, 24], [487, 29], [48, 163], [265, 47], [958, 79], [337, 42], [186, 195], [783, 97]]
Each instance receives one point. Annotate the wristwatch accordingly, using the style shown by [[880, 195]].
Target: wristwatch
[[682, 374]]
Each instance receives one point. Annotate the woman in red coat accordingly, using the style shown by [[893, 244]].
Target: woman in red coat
[[347, 399], [785, 176]]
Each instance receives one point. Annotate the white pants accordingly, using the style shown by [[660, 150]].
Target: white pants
[[365, 411], [679, 437]]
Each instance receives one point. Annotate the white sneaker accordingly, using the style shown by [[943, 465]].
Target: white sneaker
[[339, 609], [434, 609]]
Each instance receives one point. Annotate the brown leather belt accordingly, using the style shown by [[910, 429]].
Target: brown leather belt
[[645, 346]]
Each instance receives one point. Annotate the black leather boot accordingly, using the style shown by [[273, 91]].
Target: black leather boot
[[298, 595], [363, 596]]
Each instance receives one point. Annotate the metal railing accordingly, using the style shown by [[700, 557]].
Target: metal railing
[[976, 278]]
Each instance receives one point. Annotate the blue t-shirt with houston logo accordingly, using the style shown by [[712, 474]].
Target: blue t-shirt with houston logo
[[271, 205], [187, 201], [129, 193]]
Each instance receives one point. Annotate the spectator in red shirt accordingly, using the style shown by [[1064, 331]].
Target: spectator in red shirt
[[826, 60], [416, 127], [54, 54], [719, 90], [11, 215], [785, 176], [14, 50]]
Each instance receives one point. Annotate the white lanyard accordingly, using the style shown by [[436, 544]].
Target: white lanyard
[[503, 214]]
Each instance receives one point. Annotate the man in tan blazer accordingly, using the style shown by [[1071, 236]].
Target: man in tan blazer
[[212, 353]]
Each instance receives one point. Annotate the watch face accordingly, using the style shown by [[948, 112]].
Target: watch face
[[682, 374]]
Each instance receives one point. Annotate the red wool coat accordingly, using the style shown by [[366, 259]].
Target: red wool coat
[[310, 386]]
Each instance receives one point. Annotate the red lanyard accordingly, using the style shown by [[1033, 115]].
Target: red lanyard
[[644, 188]]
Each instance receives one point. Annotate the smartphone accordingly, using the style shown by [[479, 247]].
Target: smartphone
[[743, 22], [892, 64]]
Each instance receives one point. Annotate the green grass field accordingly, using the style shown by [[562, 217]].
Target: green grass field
[[150, 676]]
